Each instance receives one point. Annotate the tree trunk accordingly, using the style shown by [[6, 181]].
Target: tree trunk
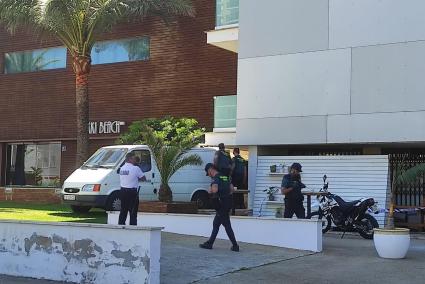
[[81, 65], [165, 194]]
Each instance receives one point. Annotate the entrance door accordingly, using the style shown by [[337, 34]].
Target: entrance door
[[147, 188]]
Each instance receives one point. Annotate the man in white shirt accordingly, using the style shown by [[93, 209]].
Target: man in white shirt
[[130, 175]]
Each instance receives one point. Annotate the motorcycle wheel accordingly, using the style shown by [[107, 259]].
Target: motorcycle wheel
[[370, 223], [326, 222]]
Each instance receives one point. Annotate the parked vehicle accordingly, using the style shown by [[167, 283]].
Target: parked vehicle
[[347, 216], [96, 182]]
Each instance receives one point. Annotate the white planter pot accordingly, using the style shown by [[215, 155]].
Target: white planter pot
[[392, 243]]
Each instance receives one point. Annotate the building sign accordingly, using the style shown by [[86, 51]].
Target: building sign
[[105, 127]]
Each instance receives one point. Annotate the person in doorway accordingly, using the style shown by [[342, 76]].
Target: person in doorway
[[222, 161], [130, 175], [291, 188], [222, 188], [239, 174]]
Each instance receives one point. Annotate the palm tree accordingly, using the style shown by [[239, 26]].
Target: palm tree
[[169, 159], [77, 24], [25, 62]]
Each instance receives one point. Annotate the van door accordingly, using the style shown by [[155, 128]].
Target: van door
[[147, 188]]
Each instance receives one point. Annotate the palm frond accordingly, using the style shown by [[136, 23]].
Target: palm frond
[[169, 158], [410, 175], [16, 14]]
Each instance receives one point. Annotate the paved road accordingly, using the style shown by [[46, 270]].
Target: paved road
[[351, 260]]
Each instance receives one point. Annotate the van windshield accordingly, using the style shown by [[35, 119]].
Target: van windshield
[[105, 158]]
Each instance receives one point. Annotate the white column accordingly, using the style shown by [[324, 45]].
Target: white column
[[252, 174]]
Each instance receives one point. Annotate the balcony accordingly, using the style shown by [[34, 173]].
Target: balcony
[[224, 121], [226, 32]]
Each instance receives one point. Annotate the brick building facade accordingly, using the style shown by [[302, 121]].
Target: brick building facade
[[181, 78]]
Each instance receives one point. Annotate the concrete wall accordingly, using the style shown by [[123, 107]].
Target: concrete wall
[[288, 233], [331, 71], [80, 253]]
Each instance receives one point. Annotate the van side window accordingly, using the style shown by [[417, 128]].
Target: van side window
[[144, 160]]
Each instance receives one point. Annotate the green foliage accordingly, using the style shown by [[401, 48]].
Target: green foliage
[[78, 23], [25, 62], [169, 157], [409, 175], [37, 175], [173, 131]]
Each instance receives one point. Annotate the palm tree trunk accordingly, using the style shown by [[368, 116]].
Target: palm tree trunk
[[81, 65], [165, 194]]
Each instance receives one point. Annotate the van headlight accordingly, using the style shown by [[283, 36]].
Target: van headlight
[[91, 188]]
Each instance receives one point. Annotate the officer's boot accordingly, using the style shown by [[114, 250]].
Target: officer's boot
[[206, 245]]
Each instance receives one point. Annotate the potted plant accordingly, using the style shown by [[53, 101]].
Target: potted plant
[[392, 242], [169, 157], [270, 193]]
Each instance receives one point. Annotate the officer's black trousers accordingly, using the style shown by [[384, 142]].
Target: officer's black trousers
[[129, 203], [294, 207], [222, 217]]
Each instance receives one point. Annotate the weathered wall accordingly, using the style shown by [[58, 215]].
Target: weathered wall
[[80, 253], [288, 233], [33, 195]]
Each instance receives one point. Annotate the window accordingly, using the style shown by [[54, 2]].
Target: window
[[35, 60], [227, 12], [106, 158], [121, 50], [143, 160], [33, 164], [225, 108]]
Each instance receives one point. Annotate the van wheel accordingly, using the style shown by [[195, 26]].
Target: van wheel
[[202, 199], [80, 209], [114, 202]]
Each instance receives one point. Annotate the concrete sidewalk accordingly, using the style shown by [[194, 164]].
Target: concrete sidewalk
[[350, 260]]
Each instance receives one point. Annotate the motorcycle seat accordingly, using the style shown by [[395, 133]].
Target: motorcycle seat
[[344, 205]]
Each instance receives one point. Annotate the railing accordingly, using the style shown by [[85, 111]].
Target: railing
[[225, 112], [410, 194], [227, 13]]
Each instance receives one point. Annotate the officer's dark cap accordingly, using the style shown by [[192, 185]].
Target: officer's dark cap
[[296, 166], [221, 146], [208, 166]]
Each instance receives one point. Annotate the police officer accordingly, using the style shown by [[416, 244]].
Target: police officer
[[222, 188], [291, 188], [239, 174], [130, 175], [222, 161]]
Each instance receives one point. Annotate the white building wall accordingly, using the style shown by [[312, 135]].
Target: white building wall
[[332, 73], [372, 22]]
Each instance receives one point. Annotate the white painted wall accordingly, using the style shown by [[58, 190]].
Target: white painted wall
[[282, 26], [80, 253], [283, 81], [388, 78], [371, 22], [331, 73], [288, 233], [351, 177]]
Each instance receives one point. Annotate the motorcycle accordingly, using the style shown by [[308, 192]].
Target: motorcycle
[[347, 216]]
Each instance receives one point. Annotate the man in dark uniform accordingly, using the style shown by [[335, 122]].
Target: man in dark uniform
[[222, 188], [223, 161], [291, 188], [239, 174]]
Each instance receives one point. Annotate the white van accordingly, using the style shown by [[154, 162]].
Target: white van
[[97, 183]]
